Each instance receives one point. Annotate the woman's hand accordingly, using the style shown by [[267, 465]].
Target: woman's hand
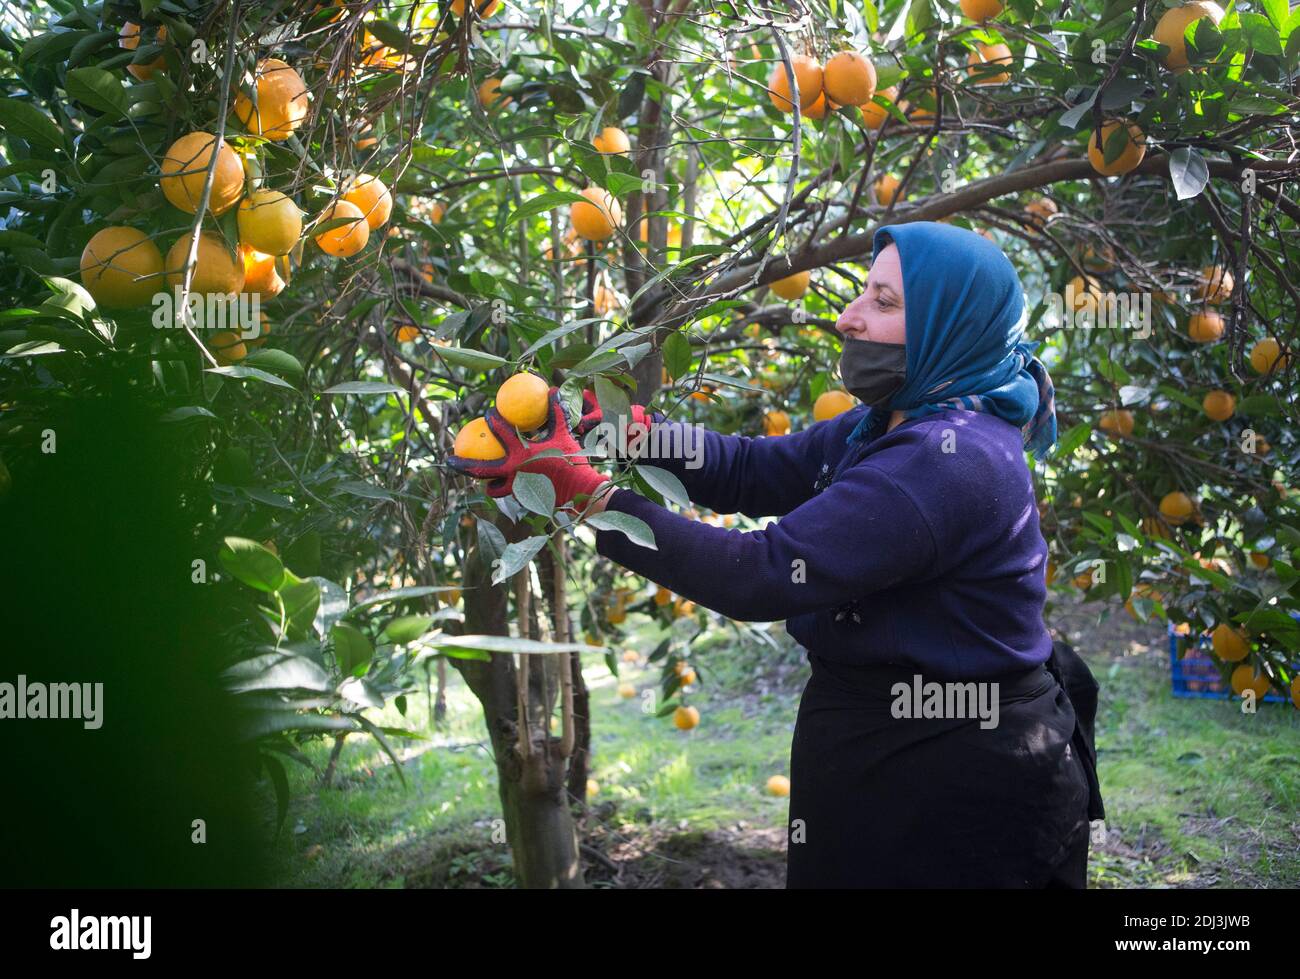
[[565, 465]]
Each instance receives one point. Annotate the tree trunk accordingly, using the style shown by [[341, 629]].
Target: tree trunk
[[539, 823]]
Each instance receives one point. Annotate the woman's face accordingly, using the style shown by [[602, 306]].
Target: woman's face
[[877, 314]]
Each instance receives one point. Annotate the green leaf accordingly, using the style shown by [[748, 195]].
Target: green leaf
[[407, 628], [402, 594], [1189, 172], [251, 563], [516, 557], [23, 120], [535, 492], [508, 644], [677, 355], [1072, 439], [634, 528], [543, 202], [665, 483], [360, 692], [473, 359], [357, 487], [351, 647], [276, 671], [240, 371], [276, 361], [491, 542], [98, 89], [364, 387], [301, 600]]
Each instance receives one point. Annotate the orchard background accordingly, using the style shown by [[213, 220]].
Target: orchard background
[[402, 187]]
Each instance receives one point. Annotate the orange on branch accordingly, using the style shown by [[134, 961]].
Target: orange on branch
[[281, 101], [372, 197], [1133, 148], [849, 79], [808, 73], [1245, 677], [489, 93], [1171, 26], [686, 718], [269, 221], [873, 113], [129, 39], [612, 140], [886, 188], [596, 218], [1266, 356], [1177, 508], [989, 54], [1229, 644], [484, 8], [227, 346], [185, 170], [792, 286], [776, 423], [1117, 422], [831, 403], [1219, 406], [345, 240], [981, 10], [260, 273], [121, 267], [1205, 326], [217, 270], [1216, 285]]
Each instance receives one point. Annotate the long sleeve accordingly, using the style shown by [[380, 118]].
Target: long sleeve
[[759, 477], [862, 534]]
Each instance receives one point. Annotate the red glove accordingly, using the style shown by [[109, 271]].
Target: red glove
[[592, 415], [571, 474]]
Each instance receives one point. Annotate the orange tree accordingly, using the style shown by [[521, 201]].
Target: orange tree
[[665, 201]]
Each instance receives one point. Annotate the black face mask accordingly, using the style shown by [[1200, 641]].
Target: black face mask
[[873, 372]]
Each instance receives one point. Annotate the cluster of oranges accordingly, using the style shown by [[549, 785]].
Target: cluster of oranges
[[121, 266], [523, 401]]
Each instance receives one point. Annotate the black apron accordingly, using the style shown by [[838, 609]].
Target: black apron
[[879, 801]]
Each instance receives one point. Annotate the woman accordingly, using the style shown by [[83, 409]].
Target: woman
[[908, 553]]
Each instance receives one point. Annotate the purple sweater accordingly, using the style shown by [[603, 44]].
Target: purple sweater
[[920, 550]]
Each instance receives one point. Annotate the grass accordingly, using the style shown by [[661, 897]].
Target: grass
[[1197, 794]]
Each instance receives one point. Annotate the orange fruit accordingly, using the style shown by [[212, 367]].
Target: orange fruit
[[407, 333], [227, 347], [981, 10], [1134, 149], [1117, 422], [372, 197], [1086, 294], [809, 75], [662, 596], [476, 441], [1260, 560], [281, 104], [873, 113], [345, 240], [849, 79], [686, 718], [1266, 356], [121, 267], [489, 93], [260, 273], [129, 39], [524, 400], [1041, 208], [626, 690], [819, 108], [682, 608], [1216, 285], [484, 8], [1083, 580], [185, 170], [611, 139], [1295, 691], [776, 423], [778, 785], [269, 221], [595, 218], [1246, 678], [1176, 507], [217, 270], [1219, 405], [1172, 24], [1205, 326], [989, 54], [688, 677], [436, 212], [792, 286], [1098, 260], [260, 339], [886, 188], [1152, 527], [831, 403]]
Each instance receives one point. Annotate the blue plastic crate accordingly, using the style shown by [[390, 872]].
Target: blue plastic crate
[[1197, 667]]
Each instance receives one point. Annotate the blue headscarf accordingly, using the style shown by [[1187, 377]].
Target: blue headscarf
[[965, 343]]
